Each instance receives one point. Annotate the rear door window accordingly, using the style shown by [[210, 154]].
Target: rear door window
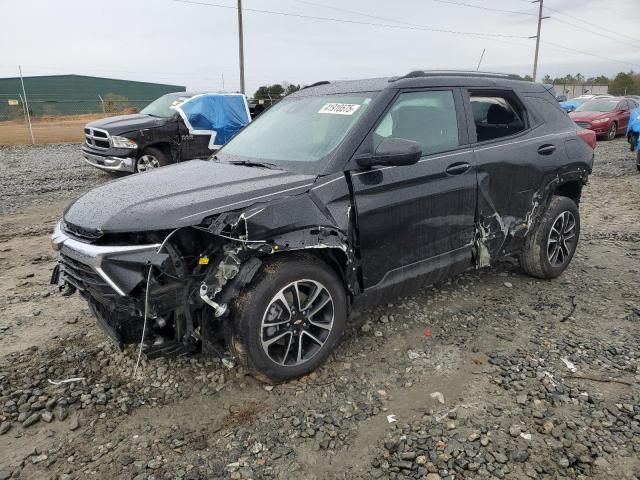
[[428, 118], [496, 115]]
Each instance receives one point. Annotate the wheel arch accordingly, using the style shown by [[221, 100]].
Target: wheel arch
[[571, 189], [335, 258], [164, 147]]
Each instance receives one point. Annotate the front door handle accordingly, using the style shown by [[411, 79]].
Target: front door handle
[[458, 168], [546, 149]]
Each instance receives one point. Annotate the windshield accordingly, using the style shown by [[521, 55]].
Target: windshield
[[161, 106], [297, 134], [602, 105]]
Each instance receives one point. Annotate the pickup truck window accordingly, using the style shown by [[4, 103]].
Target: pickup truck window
[[298, 133], [428, 118], [496, 116], [162, 106]]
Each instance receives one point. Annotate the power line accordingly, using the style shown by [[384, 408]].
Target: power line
[[356, 22], [411, 24], [395, 20], [587, 53], [482, 7], [592, 24], [587, 23], [578, 27]]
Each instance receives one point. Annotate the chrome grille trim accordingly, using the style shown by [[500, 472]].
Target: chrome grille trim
[[97, 138], [92, 255]]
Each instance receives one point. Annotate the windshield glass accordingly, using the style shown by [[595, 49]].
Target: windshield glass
[[298, 133], [602, 105], [161, 106]]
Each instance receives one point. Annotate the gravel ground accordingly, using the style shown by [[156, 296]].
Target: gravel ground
[[493, 374], [44, 173]]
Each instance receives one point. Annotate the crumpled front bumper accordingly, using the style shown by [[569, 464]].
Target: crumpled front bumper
[[109, 163], [120, 267]]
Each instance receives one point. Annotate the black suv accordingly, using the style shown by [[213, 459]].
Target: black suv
[[342, 195]]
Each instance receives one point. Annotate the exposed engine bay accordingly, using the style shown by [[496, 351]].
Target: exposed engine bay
[[172, 290]]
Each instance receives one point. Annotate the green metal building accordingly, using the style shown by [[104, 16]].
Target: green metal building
[[76, 94]]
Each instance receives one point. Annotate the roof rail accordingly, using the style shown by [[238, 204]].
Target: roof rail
[[317, 84], [456, 73]]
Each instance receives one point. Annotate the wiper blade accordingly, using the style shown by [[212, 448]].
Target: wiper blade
[[249, 163]]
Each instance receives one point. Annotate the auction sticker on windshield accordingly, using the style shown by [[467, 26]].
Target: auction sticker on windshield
[[339, 108]]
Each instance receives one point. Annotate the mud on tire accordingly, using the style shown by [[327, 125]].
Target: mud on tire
[[559, 228], [291, 298]]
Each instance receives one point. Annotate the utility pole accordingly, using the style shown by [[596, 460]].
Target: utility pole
[[241, 46], [26, 104], [537, 37]]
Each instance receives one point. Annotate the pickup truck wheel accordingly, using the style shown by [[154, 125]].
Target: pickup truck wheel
[[289, 319], [550, 248], [150, 159]]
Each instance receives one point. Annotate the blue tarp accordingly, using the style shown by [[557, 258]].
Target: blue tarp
[[569, 105], [634, 124], [220, 115]]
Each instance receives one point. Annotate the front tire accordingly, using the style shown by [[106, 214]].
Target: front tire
[[151, 159], [550, 248], [613, 131], [289, 319]]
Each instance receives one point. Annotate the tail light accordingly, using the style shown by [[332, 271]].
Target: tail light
[[589, 137]]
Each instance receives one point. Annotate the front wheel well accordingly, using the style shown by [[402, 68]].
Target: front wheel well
[[572, 190], [336, 259], [164, 147]]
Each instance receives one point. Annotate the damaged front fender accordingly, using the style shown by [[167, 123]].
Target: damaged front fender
[[319, 221]]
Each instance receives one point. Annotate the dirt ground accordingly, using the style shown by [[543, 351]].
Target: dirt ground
[[49, 129], [492, 374]]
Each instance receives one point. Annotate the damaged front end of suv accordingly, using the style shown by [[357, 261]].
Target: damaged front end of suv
[[173, 288], [171, 259]]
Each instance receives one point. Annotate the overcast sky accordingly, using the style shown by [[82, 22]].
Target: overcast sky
[[195, 45]]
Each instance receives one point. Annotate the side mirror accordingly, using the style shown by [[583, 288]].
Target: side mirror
[[393, 152]]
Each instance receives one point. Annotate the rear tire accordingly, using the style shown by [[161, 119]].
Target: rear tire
[[289, 319], [551, 246], [638, 160], [151, 159]]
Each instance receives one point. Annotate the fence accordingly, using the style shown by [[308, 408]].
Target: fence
[[56, 118], [59, 119], [573, 90]]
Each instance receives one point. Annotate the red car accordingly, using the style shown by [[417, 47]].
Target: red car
[[607, 117]]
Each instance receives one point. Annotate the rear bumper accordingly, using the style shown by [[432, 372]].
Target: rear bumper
[[110, 164]]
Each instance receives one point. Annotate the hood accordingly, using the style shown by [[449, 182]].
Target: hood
[[179, 195], [588, 116], [127, 123]]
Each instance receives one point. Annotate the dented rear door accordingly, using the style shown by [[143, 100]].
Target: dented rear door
[[510, 169]]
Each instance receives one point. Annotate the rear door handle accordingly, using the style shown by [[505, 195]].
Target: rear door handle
[[546, 149], [458, 168]]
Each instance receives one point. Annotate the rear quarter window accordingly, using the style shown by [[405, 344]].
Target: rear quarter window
[[547, 112]]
